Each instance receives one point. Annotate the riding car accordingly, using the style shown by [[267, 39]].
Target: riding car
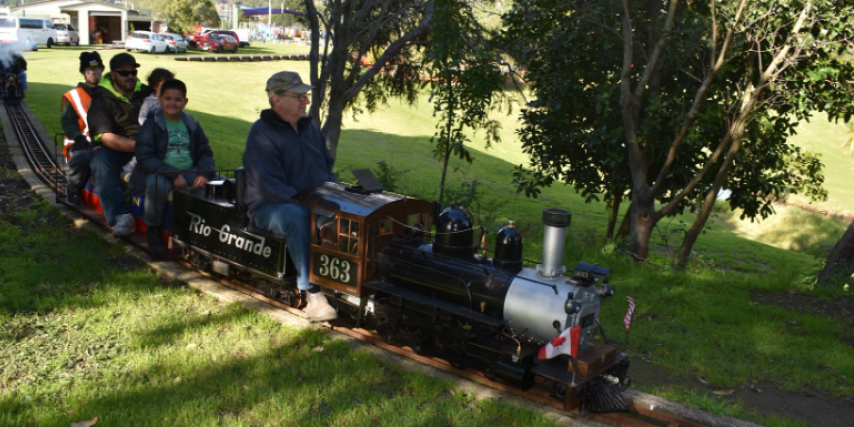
[[146, 41], [218, 43], [176, 42], [66, 34]]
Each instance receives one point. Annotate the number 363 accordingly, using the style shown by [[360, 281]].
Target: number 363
[[334, 268]]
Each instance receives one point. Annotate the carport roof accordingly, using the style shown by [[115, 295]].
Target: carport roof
[[264, 11], [71, 5]]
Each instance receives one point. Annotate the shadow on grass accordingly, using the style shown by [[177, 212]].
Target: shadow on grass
[[288, 383]]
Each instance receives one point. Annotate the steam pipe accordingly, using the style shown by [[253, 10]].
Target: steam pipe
[[555, 222]]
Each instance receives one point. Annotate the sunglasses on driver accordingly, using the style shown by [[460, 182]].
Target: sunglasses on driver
[[125, 73]]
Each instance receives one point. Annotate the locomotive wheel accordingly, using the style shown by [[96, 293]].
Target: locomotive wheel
[[558, 390], [417, 344], [385, 333], [456, 358]]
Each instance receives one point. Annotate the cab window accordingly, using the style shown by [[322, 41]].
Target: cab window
[[385, 226], [348, 236], [422, 221]]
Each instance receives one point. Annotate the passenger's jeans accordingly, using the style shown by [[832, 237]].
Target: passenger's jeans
[[157, 188], [294, 222], [78, 168], [106, 166]]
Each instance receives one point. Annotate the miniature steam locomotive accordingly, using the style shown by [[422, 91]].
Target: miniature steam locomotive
[[397, 265], [378, 262]]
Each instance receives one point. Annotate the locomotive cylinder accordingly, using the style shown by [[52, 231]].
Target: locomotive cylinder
[[555, 222]]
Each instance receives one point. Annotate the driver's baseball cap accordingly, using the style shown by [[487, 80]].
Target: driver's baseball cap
[[287, 81], [123, 59]]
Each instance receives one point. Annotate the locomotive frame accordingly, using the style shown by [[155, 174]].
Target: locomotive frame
[[358, 240]]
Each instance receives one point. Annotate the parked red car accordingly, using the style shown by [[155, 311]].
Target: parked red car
[[197, 35], [218, 43], [207, 33]]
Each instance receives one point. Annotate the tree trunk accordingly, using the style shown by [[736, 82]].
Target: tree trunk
[[332, 125], [840, 262], [612, 218], [626, 224], [644, 219], [696, 228]]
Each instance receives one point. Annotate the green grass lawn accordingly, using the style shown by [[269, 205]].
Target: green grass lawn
[[701, 321], [88, 331]]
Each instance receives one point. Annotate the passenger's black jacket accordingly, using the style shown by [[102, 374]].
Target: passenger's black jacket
[[152, 143], [112, 112]]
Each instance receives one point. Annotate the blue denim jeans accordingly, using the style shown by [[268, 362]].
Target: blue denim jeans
[[78, 168], [106, 165], [294, 222], [157, 188]]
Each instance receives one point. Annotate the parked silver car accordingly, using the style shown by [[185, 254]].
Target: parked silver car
[[66, 34], [177, 43], [146, 41]]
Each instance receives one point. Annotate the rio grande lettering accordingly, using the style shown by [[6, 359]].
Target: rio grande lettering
[[256, 246]]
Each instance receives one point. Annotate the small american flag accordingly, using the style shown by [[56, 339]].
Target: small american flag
[[628, 319]]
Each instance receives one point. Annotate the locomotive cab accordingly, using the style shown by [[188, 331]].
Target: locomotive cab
[[350, 228]]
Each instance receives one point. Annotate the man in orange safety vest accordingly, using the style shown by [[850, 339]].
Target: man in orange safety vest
[[75, 107]]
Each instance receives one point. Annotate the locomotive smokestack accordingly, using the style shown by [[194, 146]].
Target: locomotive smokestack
[[555, 222]]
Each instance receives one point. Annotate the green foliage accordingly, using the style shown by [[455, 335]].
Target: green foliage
[[368, 56], [183, 15], [389, 176], [463, 81], [605, 120], [469, 195]]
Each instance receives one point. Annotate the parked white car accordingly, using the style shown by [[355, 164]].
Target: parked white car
[[66, 33], [146, 41], [176, 42], [27, 33]]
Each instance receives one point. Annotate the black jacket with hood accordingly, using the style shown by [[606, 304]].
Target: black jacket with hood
[[152, 143]]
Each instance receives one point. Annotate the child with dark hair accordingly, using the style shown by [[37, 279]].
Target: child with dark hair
[[150, 104], [172, 151]]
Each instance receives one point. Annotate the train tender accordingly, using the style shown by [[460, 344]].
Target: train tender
[[375, 256]]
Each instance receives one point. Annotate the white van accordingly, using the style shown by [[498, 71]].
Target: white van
[[27, 32]]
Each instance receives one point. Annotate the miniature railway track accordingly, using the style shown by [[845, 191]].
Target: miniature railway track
[[46, 165], [42, 159]]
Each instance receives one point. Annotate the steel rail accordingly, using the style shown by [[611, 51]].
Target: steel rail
[[40, 158]]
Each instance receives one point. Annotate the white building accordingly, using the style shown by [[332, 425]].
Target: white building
[[115, 22]]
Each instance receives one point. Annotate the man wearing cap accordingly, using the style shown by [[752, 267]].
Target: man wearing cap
[[114, 123], [285, 158], [75, 108]]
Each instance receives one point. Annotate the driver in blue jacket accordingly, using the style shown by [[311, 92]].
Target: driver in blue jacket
[[285, 158]]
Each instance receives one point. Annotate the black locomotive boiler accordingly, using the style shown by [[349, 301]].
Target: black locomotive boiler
[[379, 261]]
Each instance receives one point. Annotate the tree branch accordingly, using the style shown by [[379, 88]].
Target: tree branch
[[393, 48], [698, 99], [736, 130]]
